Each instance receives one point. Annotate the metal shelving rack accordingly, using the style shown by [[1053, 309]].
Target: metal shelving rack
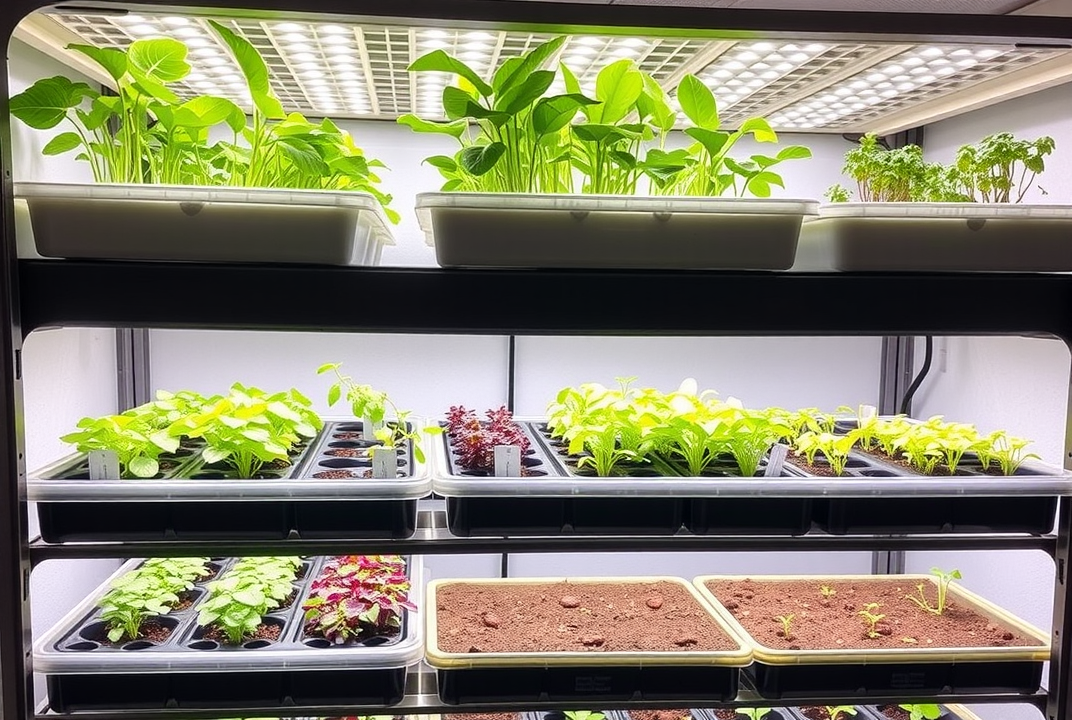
[[37, 294]]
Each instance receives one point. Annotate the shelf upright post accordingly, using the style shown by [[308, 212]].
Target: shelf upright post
[[16, 677]]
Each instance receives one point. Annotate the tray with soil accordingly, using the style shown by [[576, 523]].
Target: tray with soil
[[322, 492], [585, 640], [864, 635], [278, 658], [902, 712]]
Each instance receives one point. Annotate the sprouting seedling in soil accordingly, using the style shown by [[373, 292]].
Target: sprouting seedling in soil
[[922, 711], [871, 619], [787, 622], [583, 715], [909, 640], [944, 578], [836, 712], [754, 713], [827, 592]]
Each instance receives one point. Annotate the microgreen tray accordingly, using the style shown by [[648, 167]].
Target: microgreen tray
[[197, 501], [189, 670]]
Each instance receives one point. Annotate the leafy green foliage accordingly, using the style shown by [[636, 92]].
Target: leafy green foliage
[[135, 439], [922, 711], [1007, 450], [147, 134], [839, 712], [945, 577], [838, 194], [1001, 168], [358, 596], [237, 602], [369, 404], [835, 448], [147, 591], [583, 715]]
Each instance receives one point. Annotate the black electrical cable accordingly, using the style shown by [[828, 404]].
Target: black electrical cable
[[928, 352]]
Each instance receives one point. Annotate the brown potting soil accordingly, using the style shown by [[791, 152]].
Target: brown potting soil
[[482, 716], [817, 712], [264, 632], [574, 616], [185, 601], [348, 436], [821, 623], [939, 471], [894, 712], [335, 474], [348, 452], [277, 464], [288, 601], [663, 714], [802, 462], [150, 630], [726, 714]]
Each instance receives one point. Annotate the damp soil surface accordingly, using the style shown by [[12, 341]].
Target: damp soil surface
[[816, 712], [822, 469], [893, 712], [663, 715], [726, 714], [185, 601], [574, 617], [150, 630], [482, 716], [834, 622], [265, 631]]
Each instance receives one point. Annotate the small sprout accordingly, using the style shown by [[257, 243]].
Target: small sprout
[[839, 712], [786, 621], [583, 715], [944, 578], [838, 193], [871, 619], [827, 592], [922, 712], [754, 713]]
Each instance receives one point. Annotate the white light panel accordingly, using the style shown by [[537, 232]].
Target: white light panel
[[336, 70]]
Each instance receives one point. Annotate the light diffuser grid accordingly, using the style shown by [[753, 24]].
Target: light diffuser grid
[[337, 70]]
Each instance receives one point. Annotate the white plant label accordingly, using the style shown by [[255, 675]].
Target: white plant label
[[369, 428], [868, 411], [507, 461], [383, 463], [776, 460], [103, 465]]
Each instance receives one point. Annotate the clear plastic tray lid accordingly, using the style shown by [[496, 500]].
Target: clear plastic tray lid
[[931, 211]]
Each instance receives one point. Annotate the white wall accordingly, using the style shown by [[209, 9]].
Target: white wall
[[1012, 383]]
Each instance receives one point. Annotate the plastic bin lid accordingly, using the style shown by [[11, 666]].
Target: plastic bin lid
[[1010, 211], [617, 203], [360, 201]]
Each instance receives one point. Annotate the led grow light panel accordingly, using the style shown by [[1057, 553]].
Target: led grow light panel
[[337, 70]]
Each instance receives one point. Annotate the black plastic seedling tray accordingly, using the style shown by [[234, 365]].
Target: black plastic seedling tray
[[205, 502], [189, 669], [959, 514]]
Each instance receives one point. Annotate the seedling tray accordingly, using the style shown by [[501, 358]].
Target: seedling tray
[[939, 237], [588, 677], [188, 671], [196, 501], [555, 498], [200, 224], [872, 712], [964, 513], [488, 230], [921, 672]]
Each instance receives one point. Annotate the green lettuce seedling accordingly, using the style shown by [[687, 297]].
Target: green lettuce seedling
[[583, 715], [1008, 451], [238, 601], [135, 440], [871, 619], [835, 712], [149, 590], [944, 579], [835, 448], [922, 711]]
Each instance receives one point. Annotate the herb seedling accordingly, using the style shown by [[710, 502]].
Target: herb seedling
[[835, 712], [237, 602], [835, 448], [1001, 168], [922, 711], [356, 597], [583, 715], [838, 194], [787, 622], [135, 440], [1008, 451], [871, 619], [944, 579], [827, 592]]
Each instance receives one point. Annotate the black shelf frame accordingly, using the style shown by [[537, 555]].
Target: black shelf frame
[[39, 294]]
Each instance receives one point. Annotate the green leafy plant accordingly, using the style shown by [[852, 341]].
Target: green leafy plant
[[944, 579], [145, 133], [1001, 168], [895, 175], [584, 715], [787, 622], [834, 712], [237, 602], [1008, 451], [827, 592], [838, 194], [136, 440], [375, 406], [147, 591], [244, 432], [835, 448], [922, 711], [871, 619]]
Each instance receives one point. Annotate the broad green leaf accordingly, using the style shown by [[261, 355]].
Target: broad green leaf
[[253, 69], [253, 598], [455, 128], [439, 61], [618, 86], [99, 113], [256, 435], [530, 64], [455, 102], [113, 60], [573, 87], [712, 140], [164, 441], [760, 129], [744, 168], [302, 155], [794, 152], [206, 111], [529, 91], [554, 113], [159, 59], [452, 185], [479, 112], [64, 142], [506, 69], [44, 104], [698, 103], [333, 394], [479, 159], [116, 634], [143, 467], [213, 455], [653, 102], [623, 159], [442, 162], [354, 166], [327, 367], [599, 133]]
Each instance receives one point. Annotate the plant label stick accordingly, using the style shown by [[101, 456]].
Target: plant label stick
[[775, 460], [507, 461], [369, 428], [868, 411], [103, 465], [383, 463]]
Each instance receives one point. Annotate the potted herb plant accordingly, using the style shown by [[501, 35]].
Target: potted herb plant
[[967, 215], [552, 180], [164, 190]]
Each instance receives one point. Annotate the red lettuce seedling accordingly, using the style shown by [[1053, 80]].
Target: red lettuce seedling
[[358, 597], [475, 441]]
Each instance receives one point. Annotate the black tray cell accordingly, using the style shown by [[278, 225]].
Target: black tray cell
[[749, 516], [93, 635], [348, 687], [199, 641], [628, 515], [342, 448], [920, 679], [590, 684], [493, 516], [872, 712], [772, 714], [355, 519]]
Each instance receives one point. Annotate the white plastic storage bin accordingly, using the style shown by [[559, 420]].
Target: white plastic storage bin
[[200, 224], [938, 237], [604, 231]]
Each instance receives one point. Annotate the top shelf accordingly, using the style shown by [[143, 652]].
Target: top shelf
[[539, 302]]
